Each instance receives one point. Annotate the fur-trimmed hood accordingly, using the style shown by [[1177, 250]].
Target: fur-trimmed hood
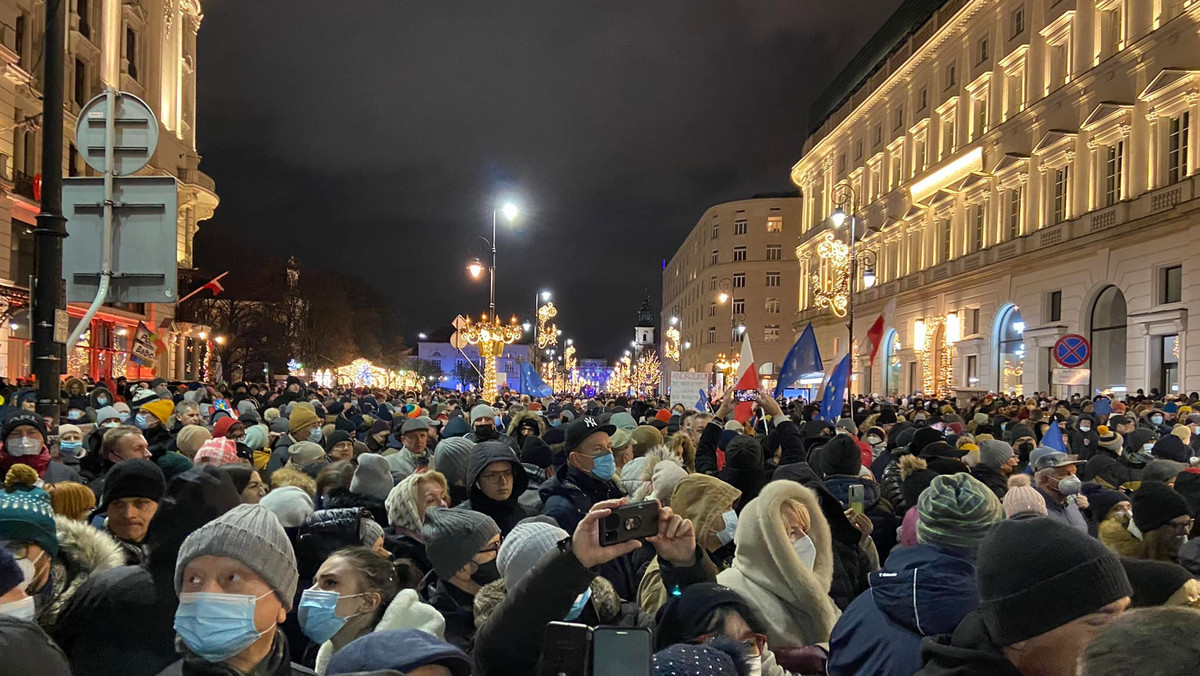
[[637, 474], [604, 600], [83, 551], [522, 416]]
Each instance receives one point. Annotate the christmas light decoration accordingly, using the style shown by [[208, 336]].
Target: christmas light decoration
[[833, 290], [491, 337], [937, 356], [547, 332], [646, 373], [671, 344]]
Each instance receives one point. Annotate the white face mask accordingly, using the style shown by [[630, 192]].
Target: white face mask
[[28, 570], [754, 666], [22, 610], [873, 440], [725, 535], [806, 550], [22, 446]]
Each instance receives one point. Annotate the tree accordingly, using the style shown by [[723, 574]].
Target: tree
[[466, 374]]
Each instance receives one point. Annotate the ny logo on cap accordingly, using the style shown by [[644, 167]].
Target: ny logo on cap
[[590, 422]]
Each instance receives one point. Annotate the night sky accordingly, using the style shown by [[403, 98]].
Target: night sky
[[375, 140]]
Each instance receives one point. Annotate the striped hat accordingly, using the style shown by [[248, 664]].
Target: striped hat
[[957, 510]]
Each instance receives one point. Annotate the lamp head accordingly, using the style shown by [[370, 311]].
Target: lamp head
[[722, 297], [545, 296], [475, 267], [868, 278], [509, 210], [838, 217]]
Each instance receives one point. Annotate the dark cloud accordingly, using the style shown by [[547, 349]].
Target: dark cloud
[[372, 137]]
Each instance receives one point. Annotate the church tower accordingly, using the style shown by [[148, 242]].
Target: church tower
[[643, 331]]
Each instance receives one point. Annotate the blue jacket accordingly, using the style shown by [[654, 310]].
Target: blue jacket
[[924, 590]]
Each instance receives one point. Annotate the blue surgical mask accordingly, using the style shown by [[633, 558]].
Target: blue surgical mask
[[217, 626], [123, 416], [577, 607], [604, 467], [315, 435], [102, 401], [318, 614], [555, 422], [725, 535], [1156, 419], [71, 449], [141, 421], [74, 414]]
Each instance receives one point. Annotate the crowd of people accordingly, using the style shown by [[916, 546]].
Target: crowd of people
[[255, 530]]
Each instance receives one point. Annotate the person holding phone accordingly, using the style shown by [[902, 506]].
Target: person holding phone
[[587, 477], [745, 467]]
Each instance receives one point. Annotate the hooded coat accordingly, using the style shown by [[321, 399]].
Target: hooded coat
[[569, 495], [506, 513], [406, 611], [922, 591], [83, 551], [792, 600]]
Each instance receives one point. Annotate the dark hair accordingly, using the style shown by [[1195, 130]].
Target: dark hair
[[335, 475], [239, 474], [377, 573]]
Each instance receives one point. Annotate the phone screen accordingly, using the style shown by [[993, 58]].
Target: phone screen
[[856, 498], [620, 652], [745, 395]]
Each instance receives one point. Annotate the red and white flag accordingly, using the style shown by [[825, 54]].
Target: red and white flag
[[874, 338], [746, 379]]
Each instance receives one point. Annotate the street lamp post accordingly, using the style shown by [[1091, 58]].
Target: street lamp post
[[491, 335], [846, 260]]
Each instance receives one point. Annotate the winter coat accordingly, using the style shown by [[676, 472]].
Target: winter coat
[[508, 512], [569, 495], [992, 479], [875, 506], [28, 650], [893, 483], [748, 480], [792, 600], [922, 591], [403, 462], [58, 471], [968, 651], [83, 552], [851, 562], [277, 663], [279, 454], [1104, 465], [604, 607], [404, 612], [324, 532], [1115, 535], [1068, 513], [160, 441], [456, 608]]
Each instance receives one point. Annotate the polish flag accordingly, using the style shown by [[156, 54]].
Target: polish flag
[[214, 286], [875, 332], [746, 379]]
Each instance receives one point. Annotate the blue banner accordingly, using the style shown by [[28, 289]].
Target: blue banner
[[804, 358], [532, 383], [834, 395]]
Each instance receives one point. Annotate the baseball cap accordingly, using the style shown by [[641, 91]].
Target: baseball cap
[[582, 429], [1054, 459]]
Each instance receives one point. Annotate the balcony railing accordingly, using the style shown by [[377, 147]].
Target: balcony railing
[[22, 184]]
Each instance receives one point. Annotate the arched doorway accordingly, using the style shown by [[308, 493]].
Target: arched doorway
[[1010, 350], [937, 369], [891, 363], [1108, 337]]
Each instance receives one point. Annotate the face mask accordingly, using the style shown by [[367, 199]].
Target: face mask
[[874, 440], [318, 614], [123, 416], [74, 414], [577, 607], [806, 550], [22, 610], [217, 626], [1148, 448], [1069, 485], [1122, 515], [485, 573], [1156, 419], [604, 467], [28, 570], [485, 432], [725, 535], [499, 421], [71, 449], [315, 435], [22, 446], [754, 666], [110, 425], [1085, 428], [555, 423], [142, 422], [102, 401]]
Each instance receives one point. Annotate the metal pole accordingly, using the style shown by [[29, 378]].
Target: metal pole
[[492, 301], [51, 225], [850, 298]]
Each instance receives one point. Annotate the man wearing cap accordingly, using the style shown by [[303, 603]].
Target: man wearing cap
[[415, 454], [587, 476], [483, 427], [1054, 476], [461, 545], [23, 441], [302, 425], [1035, 620], [132, 491], [236, 578]]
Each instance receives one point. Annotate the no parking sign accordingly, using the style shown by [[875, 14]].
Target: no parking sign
[[1072, 350]]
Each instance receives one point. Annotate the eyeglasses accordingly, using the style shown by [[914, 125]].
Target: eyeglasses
[[1182, 527], [497, 477], [754, 644], [494, 549]]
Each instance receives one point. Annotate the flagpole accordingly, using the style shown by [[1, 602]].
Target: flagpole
[[202, 287]]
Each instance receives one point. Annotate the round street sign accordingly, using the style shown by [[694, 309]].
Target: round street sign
[[1072, 350], [135, 130]]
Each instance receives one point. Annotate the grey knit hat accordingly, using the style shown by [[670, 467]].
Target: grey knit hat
[[957, 510], [252, 536], [454, 536], [372, 477], [369, 531], [524, 546], [452, 457], [994, 453]]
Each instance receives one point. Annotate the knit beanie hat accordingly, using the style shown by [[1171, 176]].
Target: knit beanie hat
[[452, 458], [369, 531], [1171, 447], [922, 438], [665, 479], [743, 452], [304, 453], [191, 438], [957, 511], [252, 536], [620, 440], [1102, 501], [290, 504], [221, 428], [10, 572], [1182, 432], [161, 409], [1187, 484], [67, 429], [994, 453], [721, 658], [133, 478], [1109, 439], [105, 413], [840, 455], [218, 450], [644, 439], [1064, 575], [454, 536], [1022, 498], [1153, 582], [301, 417], [72, 500], [256, 437], [1161, 471], [372, 477], [524, 546], [536, 452], [481, 411], [1155, 505], [26, 514], [279, 425]]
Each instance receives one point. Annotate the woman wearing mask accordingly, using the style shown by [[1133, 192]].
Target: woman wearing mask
[[876, 438], [406, 506], [70, 446], [356, 592], [784, 565]]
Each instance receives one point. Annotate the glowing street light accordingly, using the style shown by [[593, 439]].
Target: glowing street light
[[837, 217], [475, 267], [509, 210]]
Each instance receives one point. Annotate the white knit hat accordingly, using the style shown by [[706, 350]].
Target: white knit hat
[[523, 547]]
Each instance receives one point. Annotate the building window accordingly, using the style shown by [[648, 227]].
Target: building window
[[1014, 213], [712, 335], [894, 174], [978, 226], [858, 149], [772, 306], [1110, 31], [842, 163], [878, 138], [131, 53], [1016, 21], [972, 370], [739, 306], [979, 118], [973, 321], [944, 239], [1055, 303], [85, 26], [922, 98], [80, 89], [739, 280], [715, 257], [19, 39], [1113, 156], [1177, 147], [1011, 350], [716, 231], [919, 158], [773, 279], [1015, 84], [898, 118], [1172, 284], [951, 76], [1060, 192], [740, 226], [774, 252], [712, 309], [739, 254], [1059, 56], [948, 134], [981, 50], [774, 223], [771, 333], [712, 283]]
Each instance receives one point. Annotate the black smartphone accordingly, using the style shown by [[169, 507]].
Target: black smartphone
[[566, 650], [631, 522], [617, 651]]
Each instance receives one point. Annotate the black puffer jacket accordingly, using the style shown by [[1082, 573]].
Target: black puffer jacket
[[892, 484], [323, 533]]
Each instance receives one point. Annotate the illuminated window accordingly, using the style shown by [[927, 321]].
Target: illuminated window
[[1014, 212], [774, 223], [772, 306], [1060, 193], [978, 226], [944, 239], [1113, 157], [771, 333]]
